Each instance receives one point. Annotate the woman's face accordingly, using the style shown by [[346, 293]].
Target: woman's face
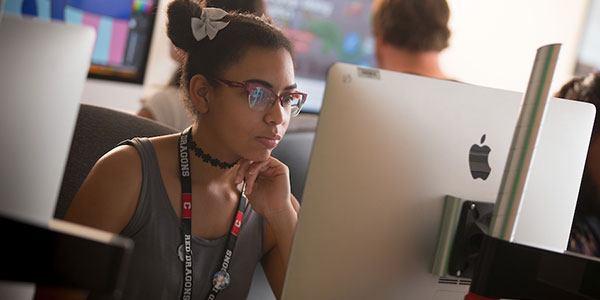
[[239, 130]]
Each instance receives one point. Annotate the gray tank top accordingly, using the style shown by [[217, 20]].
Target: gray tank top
[[156, 270]]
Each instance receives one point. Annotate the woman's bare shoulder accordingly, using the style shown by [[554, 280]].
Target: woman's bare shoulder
[[166, 148], [109, 195], [165, 140]]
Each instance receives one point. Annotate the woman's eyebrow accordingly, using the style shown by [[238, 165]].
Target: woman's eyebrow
[[291, 87], [267, 84], [259, 81]]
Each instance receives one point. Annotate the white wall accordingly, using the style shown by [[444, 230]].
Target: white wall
[[116, 95], [160, 64], [493, 43]]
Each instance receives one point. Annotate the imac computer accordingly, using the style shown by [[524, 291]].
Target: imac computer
[[44, 67], [388, 148]]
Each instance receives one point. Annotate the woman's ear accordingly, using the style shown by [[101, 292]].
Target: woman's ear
[[199, 92]]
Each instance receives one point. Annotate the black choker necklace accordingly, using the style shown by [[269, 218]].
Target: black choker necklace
[[215, 162]]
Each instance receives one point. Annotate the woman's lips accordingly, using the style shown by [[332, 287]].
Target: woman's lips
[[270, 143]]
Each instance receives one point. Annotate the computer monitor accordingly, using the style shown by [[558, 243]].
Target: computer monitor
[[44, 66], [388, 148], [123, 31], [324, 32]]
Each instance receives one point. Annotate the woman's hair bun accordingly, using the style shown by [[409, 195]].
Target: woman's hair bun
[[179, 28]]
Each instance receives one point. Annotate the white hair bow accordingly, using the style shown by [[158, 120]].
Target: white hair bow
[[208, 24]]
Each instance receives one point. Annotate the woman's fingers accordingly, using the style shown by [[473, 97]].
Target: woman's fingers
[[253, 170], [242, 170]]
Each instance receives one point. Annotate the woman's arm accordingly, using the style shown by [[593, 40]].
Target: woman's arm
[[106, 200], [108, 197], [278, 243], [268, 190]]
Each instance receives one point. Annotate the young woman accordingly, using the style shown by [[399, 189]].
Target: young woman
[[182, 197], [165, 106]]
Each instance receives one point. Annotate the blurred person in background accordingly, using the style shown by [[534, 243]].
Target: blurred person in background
[[410, 35]]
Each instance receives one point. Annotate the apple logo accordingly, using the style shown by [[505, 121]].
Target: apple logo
[[478, 160]]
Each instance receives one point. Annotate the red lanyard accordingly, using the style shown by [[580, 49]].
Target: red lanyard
[[221, 279]]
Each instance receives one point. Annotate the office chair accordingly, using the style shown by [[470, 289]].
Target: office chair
[[97, 131]]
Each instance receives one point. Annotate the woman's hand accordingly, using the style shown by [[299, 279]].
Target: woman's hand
[[267, 185], [268, 189]]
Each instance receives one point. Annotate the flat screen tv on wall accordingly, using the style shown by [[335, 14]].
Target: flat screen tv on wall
[[324, 32]]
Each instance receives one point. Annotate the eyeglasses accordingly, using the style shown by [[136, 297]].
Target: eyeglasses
[[261, 98]]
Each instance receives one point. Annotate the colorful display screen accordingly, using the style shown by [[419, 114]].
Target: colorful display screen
[[123, 30], [325, 31]]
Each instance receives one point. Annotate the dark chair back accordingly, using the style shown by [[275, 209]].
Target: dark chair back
[[97, 131]]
